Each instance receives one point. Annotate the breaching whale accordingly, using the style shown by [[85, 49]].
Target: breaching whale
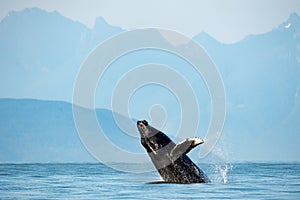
[[170, 159]]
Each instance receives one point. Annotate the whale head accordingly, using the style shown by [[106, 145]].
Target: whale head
[[151, 138]]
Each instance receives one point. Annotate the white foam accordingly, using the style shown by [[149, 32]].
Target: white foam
[[222, 172]]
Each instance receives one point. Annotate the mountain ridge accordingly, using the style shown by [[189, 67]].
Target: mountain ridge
[[34, 130]]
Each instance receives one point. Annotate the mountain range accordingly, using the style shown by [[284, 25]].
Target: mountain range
[[44, 131], [41, 53]]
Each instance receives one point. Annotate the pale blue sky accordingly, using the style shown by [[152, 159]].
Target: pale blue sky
[[226, 20]]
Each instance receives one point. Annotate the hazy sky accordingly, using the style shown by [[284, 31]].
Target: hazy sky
[[226, 20]]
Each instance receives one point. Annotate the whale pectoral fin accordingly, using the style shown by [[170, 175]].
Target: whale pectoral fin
[[184, 147]]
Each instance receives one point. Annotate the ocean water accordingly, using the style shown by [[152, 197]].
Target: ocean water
[[97, 181]]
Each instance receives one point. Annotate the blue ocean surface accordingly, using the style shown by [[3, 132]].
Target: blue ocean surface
[[97, 181]]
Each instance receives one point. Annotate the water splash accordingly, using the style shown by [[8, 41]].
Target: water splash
[[220, 165], [221, 171]]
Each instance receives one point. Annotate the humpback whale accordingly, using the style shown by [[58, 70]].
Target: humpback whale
[[170, 159]]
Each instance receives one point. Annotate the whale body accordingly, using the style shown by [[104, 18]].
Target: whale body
[[170, 159]]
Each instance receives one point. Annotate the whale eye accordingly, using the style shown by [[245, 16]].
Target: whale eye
[[145, 122]]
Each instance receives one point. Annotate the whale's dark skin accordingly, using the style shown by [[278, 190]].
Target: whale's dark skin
[[170, 159]]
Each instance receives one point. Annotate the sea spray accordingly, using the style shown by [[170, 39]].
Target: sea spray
[[220, 167], [221, 172]]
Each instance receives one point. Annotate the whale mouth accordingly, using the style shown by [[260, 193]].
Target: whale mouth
[[145, 129], [142, 127], [142, 122]]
